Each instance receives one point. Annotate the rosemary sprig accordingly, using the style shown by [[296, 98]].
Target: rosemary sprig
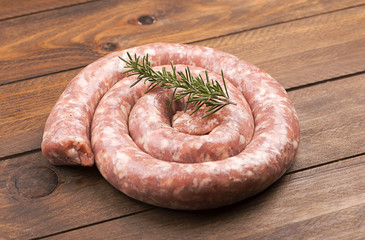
[[199, 92]]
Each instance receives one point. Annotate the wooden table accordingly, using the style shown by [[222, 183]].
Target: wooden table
[[315, 49]]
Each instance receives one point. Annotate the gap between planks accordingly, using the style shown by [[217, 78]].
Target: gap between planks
[[77, 185], [290, 89], [25, 11], [88, 51], [258, 32], [341, 80], [324, 165], [265, 200], [95, 223], [328, 53], [274, 24]]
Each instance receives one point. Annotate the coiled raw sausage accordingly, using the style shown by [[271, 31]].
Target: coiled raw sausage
[[153, 168]]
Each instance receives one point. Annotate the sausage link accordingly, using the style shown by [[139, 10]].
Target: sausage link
[[165, 181]]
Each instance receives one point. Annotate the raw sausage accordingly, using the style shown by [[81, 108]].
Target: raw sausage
[[248, 163], [190, 139]]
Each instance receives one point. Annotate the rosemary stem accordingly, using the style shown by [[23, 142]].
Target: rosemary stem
[[199, 92], [229, 101]]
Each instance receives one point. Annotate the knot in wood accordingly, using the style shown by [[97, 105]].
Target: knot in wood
[[146, 20], [109, 46], [33, 182]]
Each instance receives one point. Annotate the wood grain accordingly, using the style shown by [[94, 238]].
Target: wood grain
[[304, 51], [26, 104], [331, 116], [37, 198], [10, 9], [309, 204], [25, 107], [328, 133], [343, 224], [298, 42], [323, 115], [71, 37]]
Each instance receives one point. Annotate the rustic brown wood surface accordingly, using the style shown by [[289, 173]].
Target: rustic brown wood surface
[[295, 204], [331, 52], [75, 36], [12, 9], [315, 49]]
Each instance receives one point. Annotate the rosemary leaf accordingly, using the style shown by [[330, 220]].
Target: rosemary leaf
[[199, 92]]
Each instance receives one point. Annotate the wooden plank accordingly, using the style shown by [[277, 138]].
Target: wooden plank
[[343, 224], [10, 9], [304, 51], [37, 198], [326, 124], [331, 116], [323, 203], [24, 109], [328, 130], [27, 103], [72, 37]]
